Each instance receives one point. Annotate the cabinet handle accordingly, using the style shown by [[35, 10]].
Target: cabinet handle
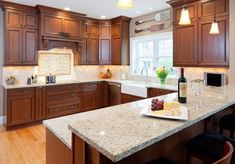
[[72, 107], [72, 95], [21, 91]]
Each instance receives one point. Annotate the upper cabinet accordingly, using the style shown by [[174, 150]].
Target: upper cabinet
[[121, 41], [193, 45], [90, 46], [21, 34], [105, 40], [57, 24]]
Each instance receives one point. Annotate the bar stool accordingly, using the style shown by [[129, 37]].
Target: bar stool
[[228, 123], [160, 161], [210, 148]]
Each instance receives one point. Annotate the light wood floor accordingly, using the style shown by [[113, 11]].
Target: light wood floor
[[23, 146]]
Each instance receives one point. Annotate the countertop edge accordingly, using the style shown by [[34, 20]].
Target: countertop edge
[[118, 157]]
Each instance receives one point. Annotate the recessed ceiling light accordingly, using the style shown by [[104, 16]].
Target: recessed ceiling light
[[67, 8], [150, 8], [137, 12], [102, 16]]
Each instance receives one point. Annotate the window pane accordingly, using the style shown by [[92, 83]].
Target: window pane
[[152, 52]]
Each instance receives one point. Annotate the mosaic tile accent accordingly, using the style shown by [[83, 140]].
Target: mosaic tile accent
[[55, 63]]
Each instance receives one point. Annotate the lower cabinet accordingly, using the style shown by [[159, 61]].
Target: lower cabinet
[[28, 105], [19, 106], [63, 100], [130, 98], [154, 92], [90, 96], [40, 103]]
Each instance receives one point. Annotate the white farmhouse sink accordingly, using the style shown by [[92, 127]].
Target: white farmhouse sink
[[135, 88]]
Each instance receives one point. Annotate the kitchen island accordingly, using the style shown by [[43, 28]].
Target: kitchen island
[[120, 134]]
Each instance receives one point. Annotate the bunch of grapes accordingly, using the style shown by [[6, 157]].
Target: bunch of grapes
[[157, 105]]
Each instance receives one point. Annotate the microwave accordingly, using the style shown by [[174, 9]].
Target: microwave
[[214, 79]]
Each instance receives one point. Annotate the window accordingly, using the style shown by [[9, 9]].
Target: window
[[152, 52]]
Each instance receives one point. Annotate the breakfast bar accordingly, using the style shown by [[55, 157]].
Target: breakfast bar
[[121, 134]]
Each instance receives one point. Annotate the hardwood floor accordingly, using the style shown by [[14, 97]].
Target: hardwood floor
[[23, 146]]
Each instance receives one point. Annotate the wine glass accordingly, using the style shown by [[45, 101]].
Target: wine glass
[[196, 86]]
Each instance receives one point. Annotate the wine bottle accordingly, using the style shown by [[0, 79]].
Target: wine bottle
[[182, 88]]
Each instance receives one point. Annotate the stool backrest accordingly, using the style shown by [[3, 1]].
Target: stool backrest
[[227, 154]]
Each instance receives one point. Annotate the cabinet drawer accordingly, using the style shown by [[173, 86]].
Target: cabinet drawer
[[89, 87], [63, 99], [21, 92], [55, 111], [63, 88]]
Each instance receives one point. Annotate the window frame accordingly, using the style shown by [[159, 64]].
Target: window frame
[[156, 56]]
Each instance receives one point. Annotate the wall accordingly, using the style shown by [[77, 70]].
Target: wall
[[1, 61], [232, 42]]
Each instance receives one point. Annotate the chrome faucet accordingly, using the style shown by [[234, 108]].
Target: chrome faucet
[[146, 71]]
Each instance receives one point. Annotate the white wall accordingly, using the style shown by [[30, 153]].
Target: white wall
[[1, 61], [232, 42]]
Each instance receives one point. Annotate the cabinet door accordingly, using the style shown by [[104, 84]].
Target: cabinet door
[[84, 51], [40, 110], [90, 96], [14, 18], [52, 25], [94, 30], [116, 50], [105, 50], [105, 30], [73, 27], [30, 47], [209, 7], [214, 49], [20, 110], [13, 46], [102, 91], [116, 29], [30, 20], [185, 45], [93, 48]]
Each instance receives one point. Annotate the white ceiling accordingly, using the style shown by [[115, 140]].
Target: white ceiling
[[96, 8]]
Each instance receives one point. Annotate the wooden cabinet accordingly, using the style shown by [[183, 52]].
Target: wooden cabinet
[[102, 94], [95, 95], [154, 92], [54, 22], [40, 103], [21, 34], [51, 24], [193, 45], [20, 106], [214, 49], [90, 47], [185, 45], [105, 42], [210, 7], [120, 41], [114, 94], [90, 96], [130, 98], [63, 100]]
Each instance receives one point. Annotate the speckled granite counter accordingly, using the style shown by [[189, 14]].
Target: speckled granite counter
[[148, 85], [120, 131]]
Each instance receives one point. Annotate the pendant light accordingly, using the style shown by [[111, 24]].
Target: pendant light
[[184, 18], [214, 26], [125, 4]]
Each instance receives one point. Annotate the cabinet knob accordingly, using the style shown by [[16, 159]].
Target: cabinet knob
[[21, 91]]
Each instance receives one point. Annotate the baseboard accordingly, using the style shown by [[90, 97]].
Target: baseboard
[[2, 119]]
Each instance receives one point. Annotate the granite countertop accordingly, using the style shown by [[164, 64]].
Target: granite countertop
[[148, 85], [120, 131]]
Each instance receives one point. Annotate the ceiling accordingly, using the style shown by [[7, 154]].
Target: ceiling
[[97, 8]]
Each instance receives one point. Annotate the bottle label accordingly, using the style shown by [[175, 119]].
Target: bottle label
[[183, 90]]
